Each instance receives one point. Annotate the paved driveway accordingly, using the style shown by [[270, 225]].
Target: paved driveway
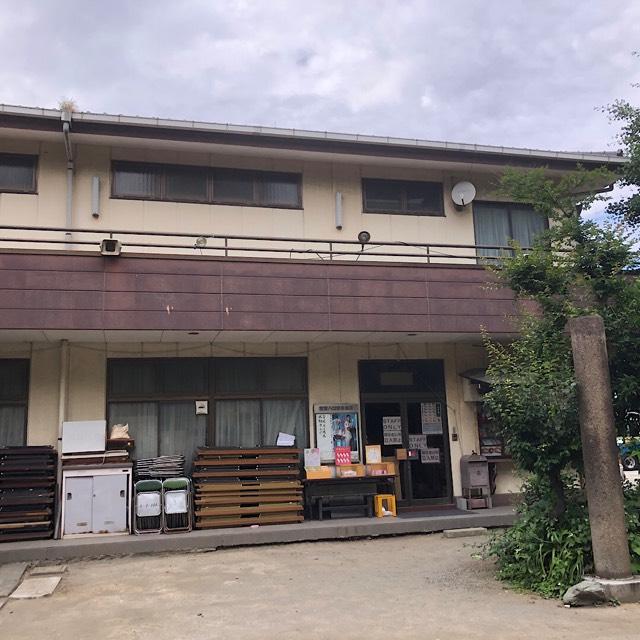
[[423, 587]]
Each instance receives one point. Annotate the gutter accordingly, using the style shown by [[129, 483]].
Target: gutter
[[66, 134], [166, 128]]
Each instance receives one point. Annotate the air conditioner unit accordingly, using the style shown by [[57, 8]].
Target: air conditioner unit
[[110, 247]]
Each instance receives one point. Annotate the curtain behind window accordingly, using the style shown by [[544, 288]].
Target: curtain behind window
[[136, 181], [526, 225], [142, 418], [237, 423], [12, 423], [288, 416], [492, 227], [281, 190], [17, 174], [181, 430]]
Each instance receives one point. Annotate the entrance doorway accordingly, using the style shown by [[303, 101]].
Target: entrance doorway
[[408, 419]]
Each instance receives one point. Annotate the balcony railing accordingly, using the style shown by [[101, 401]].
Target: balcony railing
[[216, 245]]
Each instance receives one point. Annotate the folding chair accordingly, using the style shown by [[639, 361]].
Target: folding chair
[[177, 505], [148, 506]]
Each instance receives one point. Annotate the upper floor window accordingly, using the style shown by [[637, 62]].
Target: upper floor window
[[17, 173], [185, 183], [14, 393], [406, 197], [497, 224]]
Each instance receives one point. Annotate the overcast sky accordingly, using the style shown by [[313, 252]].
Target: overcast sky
[[507, 72]]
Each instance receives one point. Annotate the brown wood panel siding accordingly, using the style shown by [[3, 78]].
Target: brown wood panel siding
[[62, 291]]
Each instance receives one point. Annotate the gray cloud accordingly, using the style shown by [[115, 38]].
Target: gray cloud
[[509, 72]]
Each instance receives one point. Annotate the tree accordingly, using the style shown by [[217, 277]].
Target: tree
[[577, 267], [627, 209], [574, 268]]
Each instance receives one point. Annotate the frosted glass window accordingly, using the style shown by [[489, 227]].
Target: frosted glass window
[[18, 173]]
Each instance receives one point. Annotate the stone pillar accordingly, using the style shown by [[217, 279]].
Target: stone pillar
[[597, 428]]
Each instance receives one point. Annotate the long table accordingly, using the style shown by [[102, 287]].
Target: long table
[[340, 495]]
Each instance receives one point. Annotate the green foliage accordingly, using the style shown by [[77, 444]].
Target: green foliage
[[542, 553], [577, 267], [557, 198], [632, 509], [533, 399], [628, 208], [547, 555], [574, 268]]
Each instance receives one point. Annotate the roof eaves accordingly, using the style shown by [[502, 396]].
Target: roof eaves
[[250, 130]]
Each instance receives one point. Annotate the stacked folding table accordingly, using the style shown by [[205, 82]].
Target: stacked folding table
[[236, 487], [27, 492]]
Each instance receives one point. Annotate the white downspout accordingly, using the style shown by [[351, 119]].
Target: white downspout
[[66, 134], [63, 392]]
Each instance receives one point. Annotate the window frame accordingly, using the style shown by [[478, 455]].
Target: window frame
[[405, 211], [22, 156], [259, 178], [22, 401], [211, 394], [509, 206]]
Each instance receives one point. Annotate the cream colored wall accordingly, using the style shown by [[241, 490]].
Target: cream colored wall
[[87, 396], [332, 369], [47, 208], [321, 180]]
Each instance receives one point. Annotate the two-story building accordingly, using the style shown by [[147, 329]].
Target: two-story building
[[240, 276]]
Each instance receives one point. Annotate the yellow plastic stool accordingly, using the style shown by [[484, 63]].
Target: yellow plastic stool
[[379, 504]]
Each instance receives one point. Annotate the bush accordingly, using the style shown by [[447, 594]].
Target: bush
[[540, 552], [546, 554]]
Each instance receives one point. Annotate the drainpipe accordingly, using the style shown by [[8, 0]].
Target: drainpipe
[[63, 389], [66, 134]]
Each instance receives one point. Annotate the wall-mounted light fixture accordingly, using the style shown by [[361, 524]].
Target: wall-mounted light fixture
[[339, 210], [363, 238], [95, 196]]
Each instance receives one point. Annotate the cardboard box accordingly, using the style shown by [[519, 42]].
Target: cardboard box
[[318, 473], [381, 469], [351, 471]]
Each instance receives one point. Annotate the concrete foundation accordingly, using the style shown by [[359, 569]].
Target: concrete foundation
[[312, 530], [623, 590]]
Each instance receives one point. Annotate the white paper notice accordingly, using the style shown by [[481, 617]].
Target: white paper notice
[[430, 456], [392, 429], [431, 414], [312, 457], [285, 440], [417, 441], [324, 439]]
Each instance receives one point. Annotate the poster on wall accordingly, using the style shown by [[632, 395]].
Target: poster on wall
[[337, 425], [392, 430], [431, 416], [430, 456], [417, 441]]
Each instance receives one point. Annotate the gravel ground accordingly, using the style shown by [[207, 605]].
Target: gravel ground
[[424, 587]]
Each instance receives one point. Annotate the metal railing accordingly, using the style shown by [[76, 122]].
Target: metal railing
[[234, 246]]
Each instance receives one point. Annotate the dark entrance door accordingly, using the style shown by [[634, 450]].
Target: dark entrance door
[[411, 415]]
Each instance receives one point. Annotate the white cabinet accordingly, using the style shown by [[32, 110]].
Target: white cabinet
[[78, 505], [96, 500]]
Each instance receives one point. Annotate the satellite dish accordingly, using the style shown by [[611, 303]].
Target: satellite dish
[[463, 193]]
